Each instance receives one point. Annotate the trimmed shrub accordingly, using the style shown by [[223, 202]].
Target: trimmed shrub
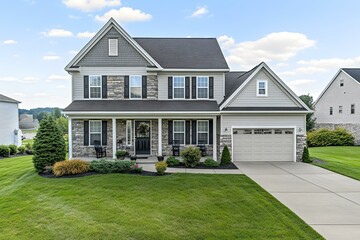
[[4, 151], [136, 169], [70, 167], [103, 166], [225, 156], [191, 156], [49, 145], [28, 148], [13, 149], [21, 149], [172, 161], [120, 154], [305, 156], [161, 167], [325, 137], [209, 162]]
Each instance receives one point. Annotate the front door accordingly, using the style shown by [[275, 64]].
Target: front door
[[142, 137]]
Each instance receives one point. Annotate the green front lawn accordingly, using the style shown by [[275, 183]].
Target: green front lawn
[[119, 206], [343, 160]]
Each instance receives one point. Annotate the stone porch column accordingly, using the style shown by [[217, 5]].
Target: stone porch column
[[114, 137], [70, 137], [214, 139], [160, 136]]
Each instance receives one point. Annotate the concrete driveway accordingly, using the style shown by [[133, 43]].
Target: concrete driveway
[[327, 201]]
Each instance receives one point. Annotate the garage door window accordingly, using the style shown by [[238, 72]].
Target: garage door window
[[262, 131], [288, 131], [277, 131], [203, 132]]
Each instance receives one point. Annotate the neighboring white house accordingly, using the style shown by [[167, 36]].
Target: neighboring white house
[[9, 121], [339, 104], [27, 121]]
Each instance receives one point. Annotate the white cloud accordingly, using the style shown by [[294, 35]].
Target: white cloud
[[73, 52], [85, 34], [19, 80], [51, 57], [8, 79], [300, 82], [41, 94], [277, 46], [54, 77], [124, 14], [29, 80], [200, 11], [9, 41], [91, 5], [58, 33], [73, 16], [60, 86]]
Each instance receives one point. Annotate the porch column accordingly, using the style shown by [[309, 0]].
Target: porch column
[[214, 139], [70, 137], [114, 137], [160, 136]]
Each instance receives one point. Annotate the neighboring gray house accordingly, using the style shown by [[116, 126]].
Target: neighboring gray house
[[27, 121], [339, 104], [9, 121], [149, 93]]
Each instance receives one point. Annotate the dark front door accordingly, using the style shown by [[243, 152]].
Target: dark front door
[[142, 137]]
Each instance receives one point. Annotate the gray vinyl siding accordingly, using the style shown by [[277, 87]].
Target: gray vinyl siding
[[336, 96], [9, 121], [99, 55], [262, 120], [218, 83], [277, 96], [78, 78]]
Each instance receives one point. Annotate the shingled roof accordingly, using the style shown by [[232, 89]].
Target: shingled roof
[[4, 98], [185, 53], [353, 72]]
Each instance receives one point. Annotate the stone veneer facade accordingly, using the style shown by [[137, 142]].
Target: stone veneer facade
[[300, 144], [353, 128]]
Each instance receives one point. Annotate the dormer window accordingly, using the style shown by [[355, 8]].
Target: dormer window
[[341, 82], [113, 46], [262, 88]]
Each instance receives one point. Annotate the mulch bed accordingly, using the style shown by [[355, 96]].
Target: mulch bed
[[144, 173], [202, 166]]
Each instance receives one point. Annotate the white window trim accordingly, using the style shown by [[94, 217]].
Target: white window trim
[[173, 86], [96, 87], [266, 88], [197, 131], [117, 47], [197, 87], [131, 87], [341, 109], [129, 128], [183, 121], [91, 121]]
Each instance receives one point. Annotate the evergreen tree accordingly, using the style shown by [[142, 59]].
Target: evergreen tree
[[225, 156], [49, 145], [310, 120], [306, 156]]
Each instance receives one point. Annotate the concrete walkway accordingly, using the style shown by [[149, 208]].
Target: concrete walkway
[[327, 201]]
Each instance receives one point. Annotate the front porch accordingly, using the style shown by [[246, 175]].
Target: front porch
[[145, 138]]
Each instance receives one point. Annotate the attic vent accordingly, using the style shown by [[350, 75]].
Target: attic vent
[[113, 46]]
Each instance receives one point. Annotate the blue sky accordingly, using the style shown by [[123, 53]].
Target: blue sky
[[304, 42]]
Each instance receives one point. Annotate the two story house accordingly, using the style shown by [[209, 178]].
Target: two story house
[[337, 105], [149, 93]]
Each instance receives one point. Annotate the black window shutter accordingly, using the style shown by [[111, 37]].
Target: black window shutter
[[144, 86], [126, 87], [104, 133], [187, 132], [170, 87], [211, 87], [104, 86], [193, 87], [170, 132], [86, 133], [86, 86], [187, 87], [193, 132], [211, 132]]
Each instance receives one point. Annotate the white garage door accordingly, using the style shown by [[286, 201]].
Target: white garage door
[[263, 145]]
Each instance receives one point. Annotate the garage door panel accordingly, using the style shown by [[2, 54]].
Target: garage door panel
[[265, 145]]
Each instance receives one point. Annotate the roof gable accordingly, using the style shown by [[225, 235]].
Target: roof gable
[[244, 80], [185, 53], [111, 24], [352, 73]]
